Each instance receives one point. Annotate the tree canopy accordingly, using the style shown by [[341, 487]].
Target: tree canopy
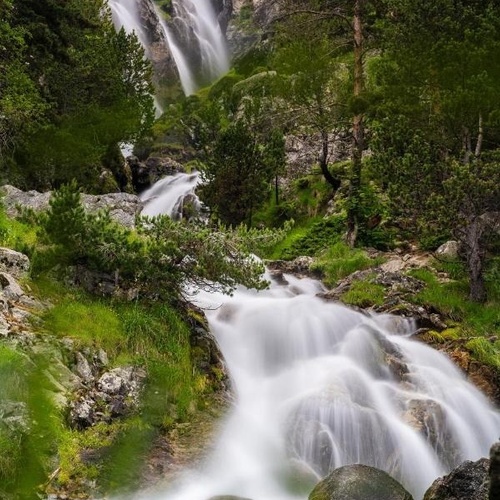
[[72, 87]]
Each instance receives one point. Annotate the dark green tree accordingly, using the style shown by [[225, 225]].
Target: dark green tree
[[94, 82], [436, 131]]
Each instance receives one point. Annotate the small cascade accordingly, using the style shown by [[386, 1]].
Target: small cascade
[[319, 386], [197, 43], [171, 195]]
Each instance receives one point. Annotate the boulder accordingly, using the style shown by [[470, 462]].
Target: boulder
[[494, 472], [448, 251], [15, 263], [469, 481], [359, 482], [228, 497], [123, 207]]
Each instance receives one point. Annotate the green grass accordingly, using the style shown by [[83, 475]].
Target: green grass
[[88, 322], [451, 299], [485, 351], [364, 294], [16, 235], [340, 261], [26, 450]]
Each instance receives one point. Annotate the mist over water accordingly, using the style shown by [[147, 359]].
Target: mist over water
[[169, 194], [318, 386], [197, 43]]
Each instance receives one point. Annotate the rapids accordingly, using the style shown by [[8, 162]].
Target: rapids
[[168, 195], [318, 385]]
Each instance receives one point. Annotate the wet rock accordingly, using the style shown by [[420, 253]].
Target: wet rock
[[14, 263], [206, 354], [494, 472], [359, 482], [145, 174], [468, 481], [301, 267], [428, 418]]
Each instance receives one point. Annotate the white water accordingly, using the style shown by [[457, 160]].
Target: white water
[[315, 390], [167, 196], [199, 29], [318, 386]]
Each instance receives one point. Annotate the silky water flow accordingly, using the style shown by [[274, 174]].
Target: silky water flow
[[317, 386]]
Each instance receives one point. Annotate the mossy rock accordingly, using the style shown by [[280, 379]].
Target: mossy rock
[[359, 482]]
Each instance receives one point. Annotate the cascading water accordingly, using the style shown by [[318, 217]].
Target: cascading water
[[125, 13], [169, 195], [197, 43], [193, 34], [317, 386]]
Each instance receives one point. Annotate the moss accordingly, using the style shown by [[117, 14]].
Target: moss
[[339, 261], [485, 351], [364, 294]]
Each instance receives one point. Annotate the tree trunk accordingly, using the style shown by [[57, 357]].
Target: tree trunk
[[475, 255], [358, 133], [323, 163], [480, 135]]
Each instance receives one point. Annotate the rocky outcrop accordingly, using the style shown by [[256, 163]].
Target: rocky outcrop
[[123, 207], [105, 394], [468, 481], [14, 263], [157, 49], [494, 472], [147, 173], [359, 482]]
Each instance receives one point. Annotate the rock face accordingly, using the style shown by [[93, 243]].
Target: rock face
[[359, 482], [14, 263], [469, 481], [145, 174], [494, 472], [105, 394], [123, 207]]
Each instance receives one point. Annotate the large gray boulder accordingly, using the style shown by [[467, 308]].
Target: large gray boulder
[[469, 481], [123, 207], [359, 482]]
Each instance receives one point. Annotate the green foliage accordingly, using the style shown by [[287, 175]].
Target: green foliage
[[339, 261], [364, 294], [485, 351], [89, 322], [158, 260], [28, 440], [451, 299], [312, 239], [73, 87], [15, 234]]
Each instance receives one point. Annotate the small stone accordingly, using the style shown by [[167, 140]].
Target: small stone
[[83, 368]]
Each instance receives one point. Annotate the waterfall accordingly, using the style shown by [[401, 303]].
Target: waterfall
[[170, 194], [197, 43], [317, 386], [125, 13], [194, 37]]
